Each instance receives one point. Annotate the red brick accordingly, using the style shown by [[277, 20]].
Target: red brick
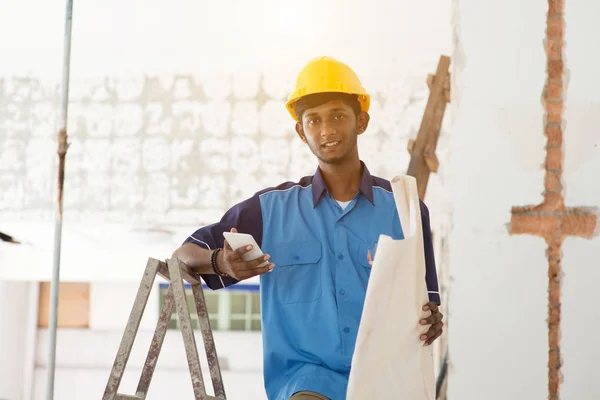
[[554, 311], [553, 182], [554, 134], [553, 48], [553, 335], [554, 112], [554, 251], [534, 225], [553, 91], [554, 317], [554, 158], [553, 202], [554, 360], [521, 209], [555, 7], [554, 294], [583, 225], [553, 383], [554, 27], [555, 69], [553, 199]]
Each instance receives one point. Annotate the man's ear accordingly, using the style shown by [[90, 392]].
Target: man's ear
[[362, 122], [300, 131]]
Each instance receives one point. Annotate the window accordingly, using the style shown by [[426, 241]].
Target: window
[[228, 309]]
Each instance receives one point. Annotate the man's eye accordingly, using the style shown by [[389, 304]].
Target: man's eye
[[313, 121], [338, 117]]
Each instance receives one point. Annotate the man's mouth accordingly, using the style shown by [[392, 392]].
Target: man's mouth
[[331, 144]]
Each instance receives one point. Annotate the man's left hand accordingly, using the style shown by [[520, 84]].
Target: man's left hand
[[435, 320]]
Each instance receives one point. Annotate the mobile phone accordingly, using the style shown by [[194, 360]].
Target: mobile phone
[[238, 240]]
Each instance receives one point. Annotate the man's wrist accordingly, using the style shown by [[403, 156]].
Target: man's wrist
[[216, 262]]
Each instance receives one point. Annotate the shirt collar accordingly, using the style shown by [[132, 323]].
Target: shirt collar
[[366, 185]]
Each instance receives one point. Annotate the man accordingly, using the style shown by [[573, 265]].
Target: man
[[316, 235]]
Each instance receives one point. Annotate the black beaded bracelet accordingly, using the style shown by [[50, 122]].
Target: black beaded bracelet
[[213, 263]]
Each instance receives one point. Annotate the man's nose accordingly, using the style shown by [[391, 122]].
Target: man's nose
[[327, 129]]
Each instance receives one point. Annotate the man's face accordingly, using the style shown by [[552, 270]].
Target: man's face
[[331, 131]]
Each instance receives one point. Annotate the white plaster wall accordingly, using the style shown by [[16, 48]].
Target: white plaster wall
[[582, 105], [108, 253], [497, 332], [241, 54], [582, 187], [580, 288], [110, 37], [111, 303], [84, 360], [13, 325], [104, 253]]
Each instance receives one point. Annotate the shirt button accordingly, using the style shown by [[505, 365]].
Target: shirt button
[[342, 292], [296, 258], [340, 256], [346, 330]]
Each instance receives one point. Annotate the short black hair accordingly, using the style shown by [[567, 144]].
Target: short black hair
[[317, 99]]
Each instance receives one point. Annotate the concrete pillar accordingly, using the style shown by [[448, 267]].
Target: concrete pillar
[[14, 310]]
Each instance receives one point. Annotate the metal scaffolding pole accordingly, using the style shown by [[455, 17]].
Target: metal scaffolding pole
[[62, 152]]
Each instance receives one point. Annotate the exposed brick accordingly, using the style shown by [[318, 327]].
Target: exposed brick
[[548, 219], [554, 112], [554, 360], [555, 69], [554, 158], [554, 251], [554, 134], [553, 273], [554, 291], [522, 209], [554, 27], [553, 182], [553, 91], [553, 383], [553, 202], [553, 48], [555, 7], [554, 317], [537, 225], [553, 335], [583, 225]]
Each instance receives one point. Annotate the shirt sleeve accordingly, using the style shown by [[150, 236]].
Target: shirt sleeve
[[430, 269], [246, 217]]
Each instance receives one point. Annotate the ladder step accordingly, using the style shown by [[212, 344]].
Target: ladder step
[[177, 273], [120, 396]]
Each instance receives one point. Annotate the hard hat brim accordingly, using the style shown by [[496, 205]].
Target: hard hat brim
[[363, 99]]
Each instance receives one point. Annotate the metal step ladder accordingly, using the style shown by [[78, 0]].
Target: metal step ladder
[[175, 272]]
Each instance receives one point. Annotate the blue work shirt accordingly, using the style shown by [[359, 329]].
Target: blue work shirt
[[311, 303]]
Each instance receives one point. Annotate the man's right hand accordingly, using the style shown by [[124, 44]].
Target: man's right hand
[[231, 262]]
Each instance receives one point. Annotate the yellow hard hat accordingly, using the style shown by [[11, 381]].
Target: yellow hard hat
[[326, 75]]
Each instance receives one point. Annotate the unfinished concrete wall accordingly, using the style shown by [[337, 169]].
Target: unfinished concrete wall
[[177, 112], [177, 124], [14, 312], [524, 133], [169, 127]]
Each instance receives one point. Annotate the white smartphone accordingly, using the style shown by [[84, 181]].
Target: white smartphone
[[237, 240]]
